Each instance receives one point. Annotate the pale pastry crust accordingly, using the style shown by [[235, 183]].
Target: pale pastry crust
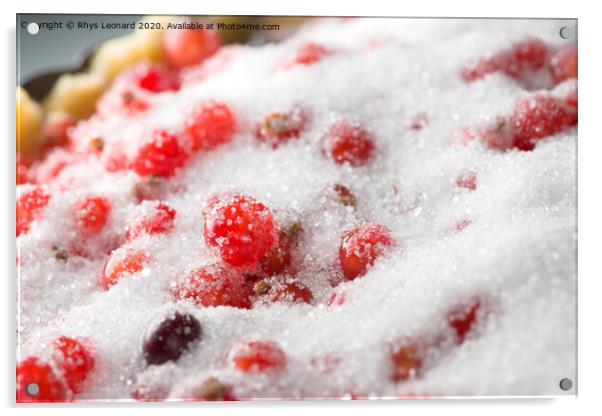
[[77, 94], [29, 122]]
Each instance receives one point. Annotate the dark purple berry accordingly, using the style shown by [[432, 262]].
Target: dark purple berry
[[171, 338]]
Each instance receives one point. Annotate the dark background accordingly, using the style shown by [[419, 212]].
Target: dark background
[[61, 49]]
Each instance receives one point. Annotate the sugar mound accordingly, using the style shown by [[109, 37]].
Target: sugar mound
[[511, 242]]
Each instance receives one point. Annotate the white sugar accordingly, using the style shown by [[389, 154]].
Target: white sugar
[[518, 251]]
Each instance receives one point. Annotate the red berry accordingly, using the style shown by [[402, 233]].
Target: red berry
[[462, 318], [360, 247], [210, 125], [307, 54], [290, 291], [161, 155], [279, 257], [122, 262], [33, 371], [172, 338], [279, 128], [75, 360], [538, 116], [467, 180], [258, 356], [121, 101], [346, 197], [92, 214], [156, 78], [571, 99], [563, 64], [346, 143], [407, 362], [241, 230], [151, 218], [528, 55], [22, 174], [185, 47], [214, 286], [30, 207], [283, 290]]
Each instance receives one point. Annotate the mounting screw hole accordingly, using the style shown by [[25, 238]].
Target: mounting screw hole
[[566, 384], [566, 32], [32, 389], [33, 28]]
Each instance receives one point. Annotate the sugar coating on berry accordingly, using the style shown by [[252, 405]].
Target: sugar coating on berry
[[537, 116], [213, 286], [30, 207], [290, 291], [346, 143], [121, 101], [360, 247], [527, 55], [91, 214], [210, 125], [122, 262], [534, 117], [156, 78], [34, 371], [150, 217], [306, 54], [240, 229], [75, 360], [160, 155], [258, 356]]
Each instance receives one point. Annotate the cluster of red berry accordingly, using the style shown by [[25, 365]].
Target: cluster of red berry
[[524, 57], [254, 255], [59, 377], [539, 114]]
